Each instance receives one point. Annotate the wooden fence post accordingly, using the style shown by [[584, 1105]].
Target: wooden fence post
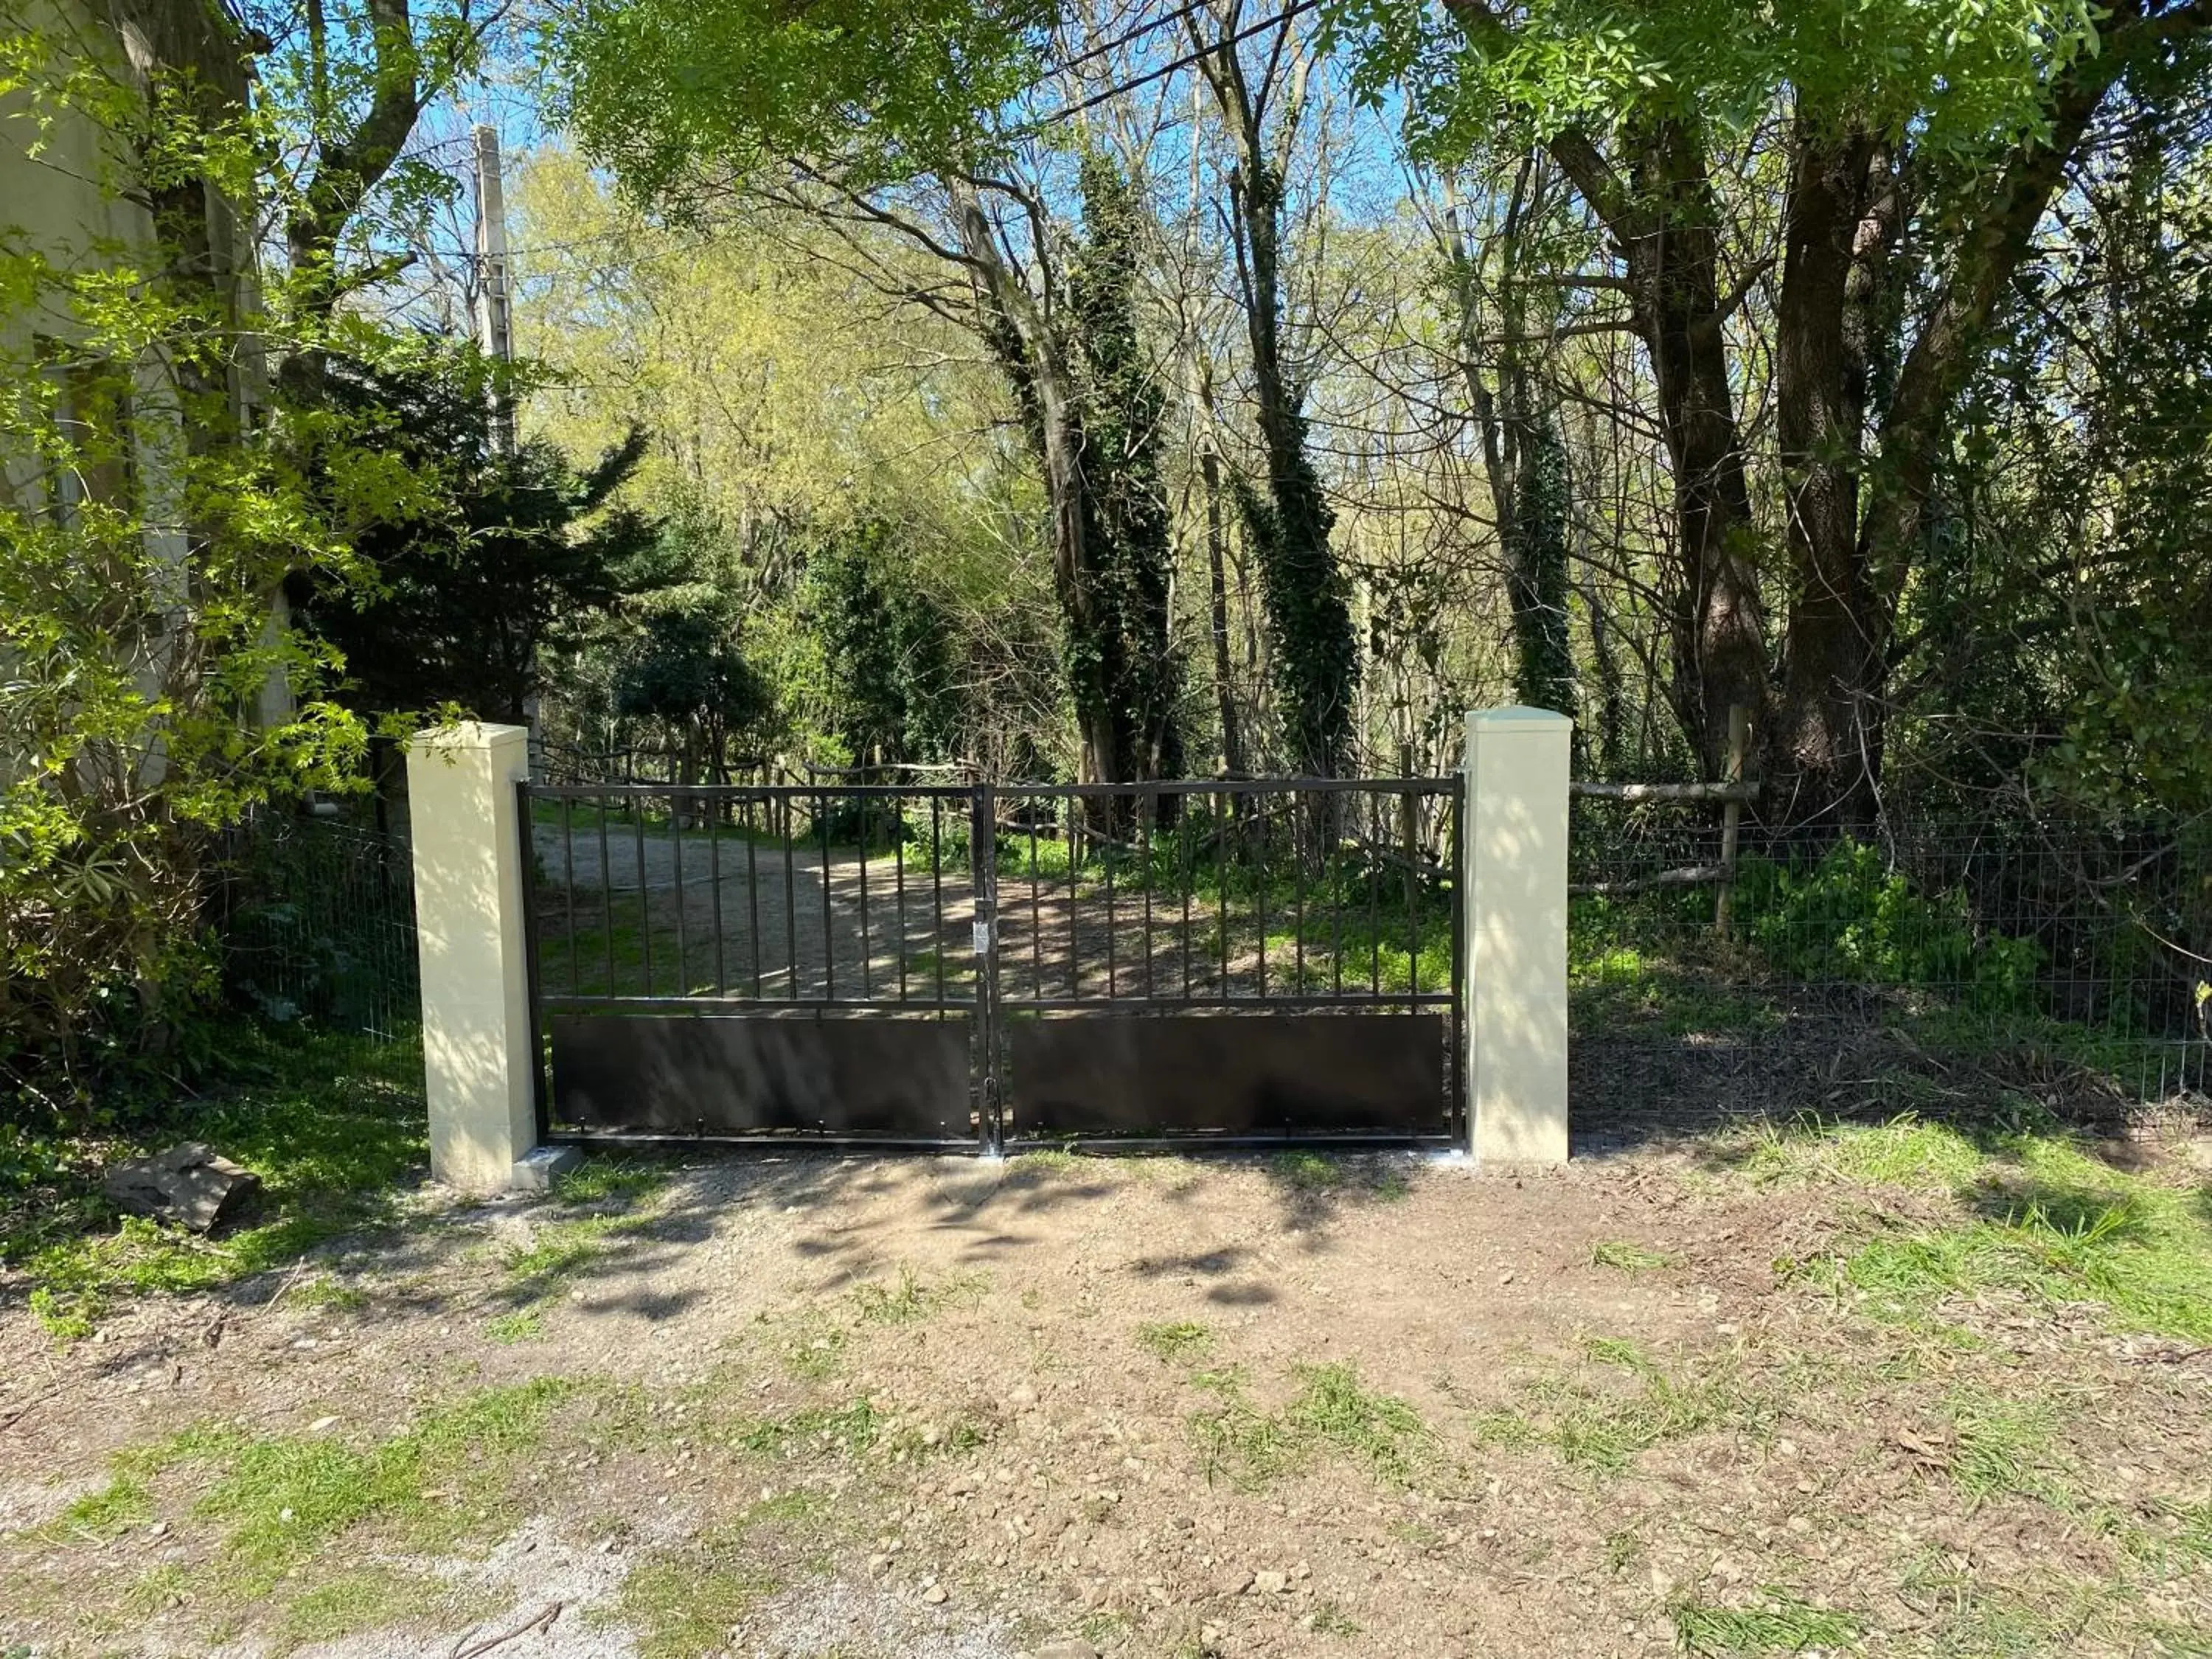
[[1731, 814]]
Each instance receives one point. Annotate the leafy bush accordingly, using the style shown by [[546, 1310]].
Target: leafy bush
[[1849, 917]]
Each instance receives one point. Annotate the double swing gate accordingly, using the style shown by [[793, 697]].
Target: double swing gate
[[994, 967]]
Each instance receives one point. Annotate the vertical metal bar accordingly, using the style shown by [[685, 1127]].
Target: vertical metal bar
[[1071, 842], [606, 900], [936, 891], [1333, 872], [1148, 807], [1302, 813], [790, 901], [1374, 898], [983, 846], [1456, 1109], [829, 930], [540, 1103], [867, 986], [644, 888], [675, 853], [752, 893], [569, 891], [898, 886], [1183, 873], [1260, 889], [714, 876], [1408, 834], [1222, 888], [1106, 843], [1037, 918]]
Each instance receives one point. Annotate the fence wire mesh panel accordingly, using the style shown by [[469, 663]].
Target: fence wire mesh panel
[[2062, 960], [733, 961], [1142, 932], [317, 918], [948, 964]]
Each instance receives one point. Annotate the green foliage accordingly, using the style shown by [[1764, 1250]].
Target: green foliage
[[1849, 917], [1122, 658], [1176, 1343], [1333, 1410], [1309, 604], [1537, 583], [892, 694], [333, 1126], [1776, 1623], [667, 92], [498, 558]]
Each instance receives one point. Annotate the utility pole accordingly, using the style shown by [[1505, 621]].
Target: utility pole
[[494, 317]]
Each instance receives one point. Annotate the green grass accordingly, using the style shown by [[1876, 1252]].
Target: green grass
[[681, 1606], [1777, 1624], [1622, 1404], [2005, 1446], [601, 1178], [523, 1325], [1627, 1256], [281, 1501], [912, 1299], [334, 1125], [1182, 1343], [1332, 1411], [362, 1599], [2044, 1218], [1304, 1171]]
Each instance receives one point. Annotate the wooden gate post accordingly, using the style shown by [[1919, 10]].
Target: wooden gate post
[[479, 1073], [1515, 912]]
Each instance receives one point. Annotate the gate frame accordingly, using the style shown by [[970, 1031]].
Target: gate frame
[[484, 1047]]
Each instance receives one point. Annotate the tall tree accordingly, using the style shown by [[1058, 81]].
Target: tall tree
[[1921, 152]]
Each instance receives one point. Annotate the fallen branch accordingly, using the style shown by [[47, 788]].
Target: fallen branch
[[1741, 792], [1694, 875], [542, 1619]]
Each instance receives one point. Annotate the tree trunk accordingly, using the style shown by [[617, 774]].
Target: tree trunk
[[1825, 739]]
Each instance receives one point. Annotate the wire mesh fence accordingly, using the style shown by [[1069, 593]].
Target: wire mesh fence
[[2091, 944], [317, 920]]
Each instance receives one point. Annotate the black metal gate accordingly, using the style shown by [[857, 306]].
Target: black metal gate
[[999, 966]]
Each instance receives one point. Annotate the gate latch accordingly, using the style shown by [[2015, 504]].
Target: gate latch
[[982, 931]]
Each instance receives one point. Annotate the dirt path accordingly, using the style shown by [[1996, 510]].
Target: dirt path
[[874, 1409]]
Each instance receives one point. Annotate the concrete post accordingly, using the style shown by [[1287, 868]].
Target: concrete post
[[1516, 917], [479, 1073]]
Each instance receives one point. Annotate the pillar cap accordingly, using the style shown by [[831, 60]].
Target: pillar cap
[[1518, 715], [466, 736]]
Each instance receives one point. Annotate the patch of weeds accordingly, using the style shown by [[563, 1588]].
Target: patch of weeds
[[1330, 1620], [124, 1503], [1904, 1152], [1625, 1256], [913, 1299], [1333, 1408], [1777, 1624], [815, 1350], [1392, 1187], [374, 1598], [1182, 1343], [334, 1125], [1104, 1630], [2049, 1221], [855, 1427], [1623, 1550], [2004, 1446], [600, 1179], [557, 1252], [1307, 1171], [1380, 1428], [326, 1292], [1045, 1160], [523, 1325], [286, 1496], [682, 1605], [1602, 1428]]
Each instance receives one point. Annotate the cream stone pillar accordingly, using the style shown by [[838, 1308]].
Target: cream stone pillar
[[1516, 917], [479, 1072]]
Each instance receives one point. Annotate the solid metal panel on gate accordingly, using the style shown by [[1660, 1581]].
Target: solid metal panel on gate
[[695, 1074], [1141, 1076]]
